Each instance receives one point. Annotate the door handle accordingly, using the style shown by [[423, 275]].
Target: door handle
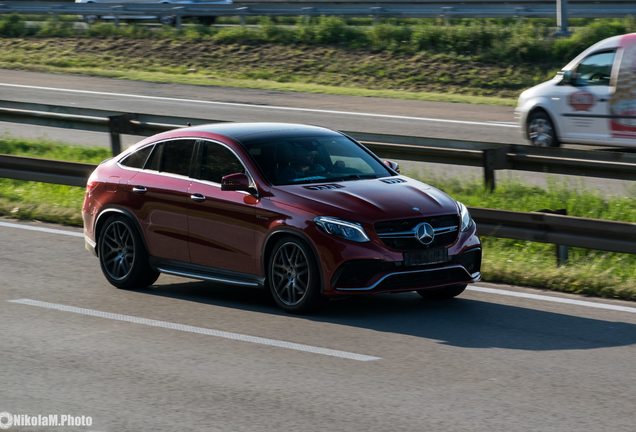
[[139, 189], [197, 197]]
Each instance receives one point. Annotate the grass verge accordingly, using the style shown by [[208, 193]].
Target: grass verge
[[486, 61], [510, 261]]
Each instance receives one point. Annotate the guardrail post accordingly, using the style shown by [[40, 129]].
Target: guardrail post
[[492, 160], [117, 125], [562, 17], [562, 251]]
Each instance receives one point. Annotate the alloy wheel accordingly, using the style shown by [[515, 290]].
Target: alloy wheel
[[290, 275], [118, 250]]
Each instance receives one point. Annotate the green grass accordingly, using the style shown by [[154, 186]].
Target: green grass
[[509, 261], [470, 60]]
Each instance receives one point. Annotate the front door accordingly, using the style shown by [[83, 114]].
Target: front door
[[222, 223], [584, 107]]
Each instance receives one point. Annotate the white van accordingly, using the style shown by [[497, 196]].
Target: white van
[[592, 100]]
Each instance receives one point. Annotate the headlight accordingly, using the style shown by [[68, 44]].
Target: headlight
[[347, 230], [466, 220]]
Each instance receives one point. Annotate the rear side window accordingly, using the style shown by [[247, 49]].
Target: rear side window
[[217, 161], [172, 157], [138, 158]]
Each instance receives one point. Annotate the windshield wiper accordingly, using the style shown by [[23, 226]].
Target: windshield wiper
[[357, 177]]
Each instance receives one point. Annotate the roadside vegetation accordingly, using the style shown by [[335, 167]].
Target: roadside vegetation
[[509, 261], [468, 60]]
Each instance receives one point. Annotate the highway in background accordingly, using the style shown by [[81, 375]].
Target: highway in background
[[391, 116], [183, 356]]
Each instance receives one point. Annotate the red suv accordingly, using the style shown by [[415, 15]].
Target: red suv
[[304, 211]]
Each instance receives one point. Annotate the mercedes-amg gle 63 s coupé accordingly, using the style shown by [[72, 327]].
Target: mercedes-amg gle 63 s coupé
[[303, 211]]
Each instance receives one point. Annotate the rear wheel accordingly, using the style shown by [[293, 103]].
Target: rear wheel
[[442, 293], [540, 130], [293, 276], [123, 257]]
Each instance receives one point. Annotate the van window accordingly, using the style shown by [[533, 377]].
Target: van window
[[596, 69]]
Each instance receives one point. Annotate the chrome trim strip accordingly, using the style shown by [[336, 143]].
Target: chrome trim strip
[[409, 234], [182, 177], [206, 277], [392, 274]]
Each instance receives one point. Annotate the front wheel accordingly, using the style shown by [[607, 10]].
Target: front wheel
[[442, 293], [293, 277], [123, 257], [540, 130]]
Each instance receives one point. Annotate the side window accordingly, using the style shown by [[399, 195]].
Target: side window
[[217, 161], [596, 69], [138, 158], [172, 157]]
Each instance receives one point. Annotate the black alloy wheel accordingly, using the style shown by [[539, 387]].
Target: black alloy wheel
[[123, 257], [293, 276]]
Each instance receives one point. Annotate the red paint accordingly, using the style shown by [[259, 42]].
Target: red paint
[[581, 100], [230, 229]]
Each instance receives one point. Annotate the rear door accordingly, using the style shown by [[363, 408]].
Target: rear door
[[159, 196]]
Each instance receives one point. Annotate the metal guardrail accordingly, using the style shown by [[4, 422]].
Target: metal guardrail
[[539, 227], [530, 226], [490, 156], [562, 9]]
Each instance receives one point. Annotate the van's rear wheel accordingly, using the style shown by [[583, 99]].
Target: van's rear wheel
[[540, 130]]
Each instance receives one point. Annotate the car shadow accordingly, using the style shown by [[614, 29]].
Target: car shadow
[[460, 322]]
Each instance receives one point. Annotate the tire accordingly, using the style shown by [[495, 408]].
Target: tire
[[442, 293], [540, 130], [293, 277], [123, 256]]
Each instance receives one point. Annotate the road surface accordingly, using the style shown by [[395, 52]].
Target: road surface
[[193, 356]]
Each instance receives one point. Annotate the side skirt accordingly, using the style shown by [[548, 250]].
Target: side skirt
[[178, 268]]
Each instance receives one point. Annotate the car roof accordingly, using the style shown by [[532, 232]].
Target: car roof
[[243, 132]]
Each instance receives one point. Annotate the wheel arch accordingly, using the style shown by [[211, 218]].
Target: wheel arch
[[276, 235], [541, 108], [109, 212]]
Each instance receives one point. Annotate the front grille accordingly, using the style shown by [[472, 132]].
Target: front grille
[[400, 235]]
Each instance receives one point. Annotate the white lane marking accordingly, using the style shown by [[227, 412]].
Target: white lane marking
[[552, 299], [199, 330], [263, 107], [41, 229]]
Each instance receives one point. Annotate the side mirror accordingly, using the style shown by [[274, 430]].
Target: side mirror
[[393, 165], [235, 182], [570, 77]]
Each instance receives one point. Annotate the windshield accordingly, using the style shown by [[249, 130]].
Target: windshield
[[307, 159]]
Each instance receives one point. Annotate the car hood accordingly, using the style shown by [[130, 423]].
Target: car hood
[[368, 201]]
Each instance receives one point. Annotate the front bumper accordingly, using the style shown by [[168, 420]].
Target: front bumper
[[371, 276]]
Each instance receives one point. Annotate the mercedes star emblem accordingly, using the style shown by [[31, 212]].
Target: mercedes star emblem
[[425, 233]]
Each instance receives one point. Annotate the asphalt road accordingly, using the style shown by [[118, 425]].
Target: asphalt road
[[431, 119], [182, 355]]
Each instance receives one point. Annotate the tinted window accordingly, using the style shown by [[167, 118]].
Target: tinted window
[[308, 159], [217, 161], [138, 158], [596, 69], [172, 157]]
